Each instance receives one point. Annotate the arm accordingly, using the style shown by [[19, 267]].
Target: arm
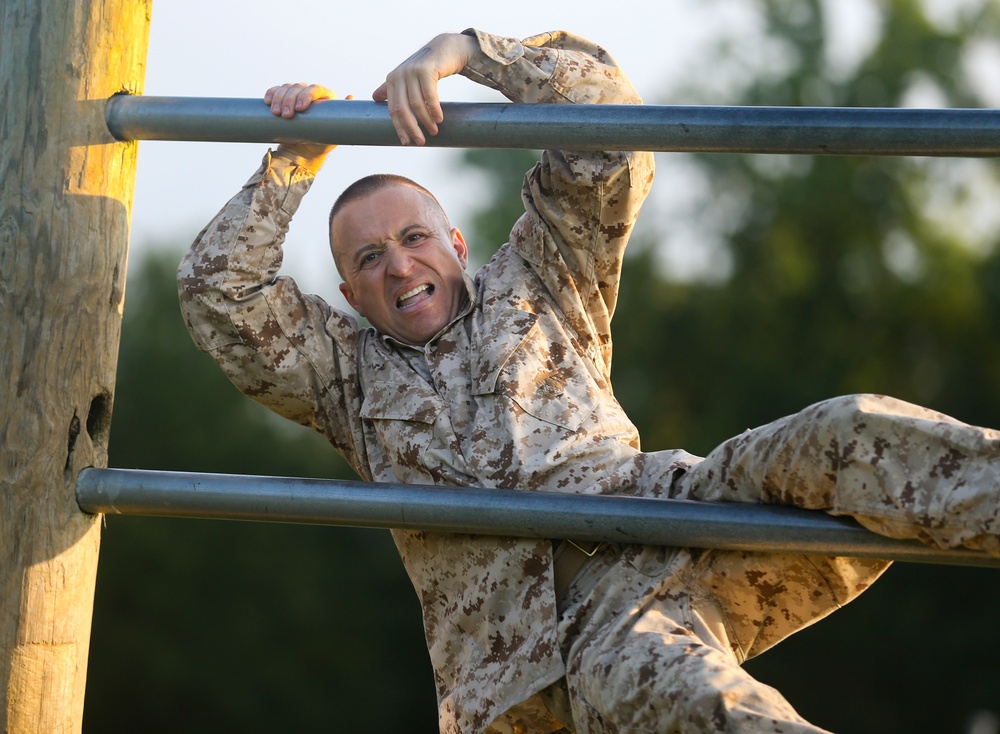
[[580, 206], [285, 349]]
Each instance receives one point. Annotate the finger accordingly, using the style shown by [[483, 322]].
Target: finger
[[281, 99], [403, 122], [432, 102], [288, 99], [418, 104], [317, 93], [400, 113], [305, 96], [289, 102], [275, 96]]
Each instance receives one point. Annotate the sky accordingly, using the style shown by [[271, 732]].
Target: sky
[[239, 48]]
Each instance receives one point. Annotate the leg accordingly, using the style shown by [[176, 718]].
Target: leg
[[646, 638], [653, 675], [900, 470]]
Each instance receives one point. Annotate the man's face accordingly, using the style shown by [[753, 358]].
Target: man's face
[[402, 265]]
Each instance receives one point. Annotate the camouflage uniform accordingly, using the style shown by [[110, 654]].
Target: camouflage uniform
[[515, 393]]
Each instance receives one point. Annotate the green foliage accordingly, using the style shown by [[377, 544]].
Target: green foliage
[[503, 175], [841, 280]]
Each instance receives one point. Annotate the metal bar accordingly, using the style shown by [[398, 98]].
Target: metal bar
[[809, 130], [497, 512]]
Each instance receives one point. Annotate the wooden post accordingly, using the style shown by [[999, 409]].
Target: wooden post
[[65, 204]]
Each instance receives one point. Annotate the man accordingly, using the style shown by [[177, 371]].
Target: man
[[504, 381]]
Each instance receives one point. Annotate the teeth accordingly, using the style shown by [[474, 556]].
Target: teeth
[[410, 294]]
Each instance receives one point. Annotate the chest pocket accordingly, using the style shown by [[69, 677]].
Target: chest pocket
[[404, 415], [412, 401], [541, 373]]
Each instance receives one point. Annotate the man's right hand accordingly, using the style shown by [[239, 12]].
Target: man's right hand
[[411, 88], [287, 100]]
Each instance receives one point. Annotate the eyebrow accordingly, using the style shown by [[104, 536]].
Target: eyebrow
[[401, 234], [362, 251]]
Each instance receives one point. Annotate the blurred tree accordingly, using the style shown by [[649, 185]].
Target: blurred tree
[[827, 275], [838, 274], [208, 626], [850, 275]]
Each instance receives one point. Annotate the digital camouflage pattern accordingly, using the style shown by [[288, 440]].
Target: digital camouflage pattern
[[899, 469], [664, 656], [515, 393]]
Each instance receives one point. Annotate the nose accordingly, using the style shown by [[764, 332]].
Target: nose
[[399, 263]]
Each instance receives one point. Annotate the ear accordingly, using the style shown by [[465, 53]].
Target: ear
[[461, 249], [348, 293]]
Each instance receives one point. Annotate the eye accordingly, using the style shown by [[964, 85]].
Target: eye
[[414, 238], [368, 259]]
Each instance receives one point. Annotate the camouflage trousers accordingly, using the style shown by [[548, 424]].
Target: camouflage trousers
[[653, 638]]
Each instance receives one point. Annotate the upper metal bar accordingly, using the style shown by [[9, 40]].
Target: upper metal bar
[[808, 130], [497, 512]]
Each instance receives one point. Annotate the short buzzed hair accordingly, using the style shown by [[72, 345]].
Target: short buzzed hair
[[367, 186]]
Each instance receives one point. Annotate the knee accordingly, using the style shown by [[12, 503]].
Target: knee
[[847, 406], [851, 407], [685, 688]]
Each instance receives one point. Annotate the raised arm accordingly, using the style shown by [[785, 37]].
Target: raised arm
[[580, 206], [288, 350]]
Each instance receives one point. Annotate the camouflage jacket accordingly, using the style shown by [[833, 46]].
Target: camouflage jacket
[[515, 393]]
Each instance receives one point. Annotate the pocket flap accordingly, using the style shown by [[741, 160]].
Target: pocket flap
[[414, 401], [506, 334]]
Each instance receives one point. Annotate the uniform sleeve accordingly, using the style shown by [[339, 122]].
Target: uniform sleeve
[[287, 350], [580, 207]]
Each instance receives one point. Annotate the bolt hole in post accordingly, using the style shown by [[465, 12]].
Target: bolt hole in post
[[99, 417]]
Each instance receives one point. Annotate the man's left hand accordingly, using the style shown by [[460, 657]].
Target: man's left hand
[[411, 88]]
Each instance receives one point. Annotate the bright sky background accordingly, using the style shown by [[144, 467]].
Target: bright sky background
[[239, 48]]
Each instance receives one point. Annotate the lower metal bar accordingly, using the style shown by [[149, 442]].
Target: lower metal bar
[[808, 130], [741, 527]]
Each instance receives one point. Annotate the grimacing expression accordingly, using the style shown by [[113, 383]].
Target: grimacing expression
[[402, 264]]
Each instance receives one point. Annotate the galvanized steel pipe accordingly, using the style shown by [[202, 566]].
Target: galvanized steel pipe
[[496, 512], [808, 130]]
